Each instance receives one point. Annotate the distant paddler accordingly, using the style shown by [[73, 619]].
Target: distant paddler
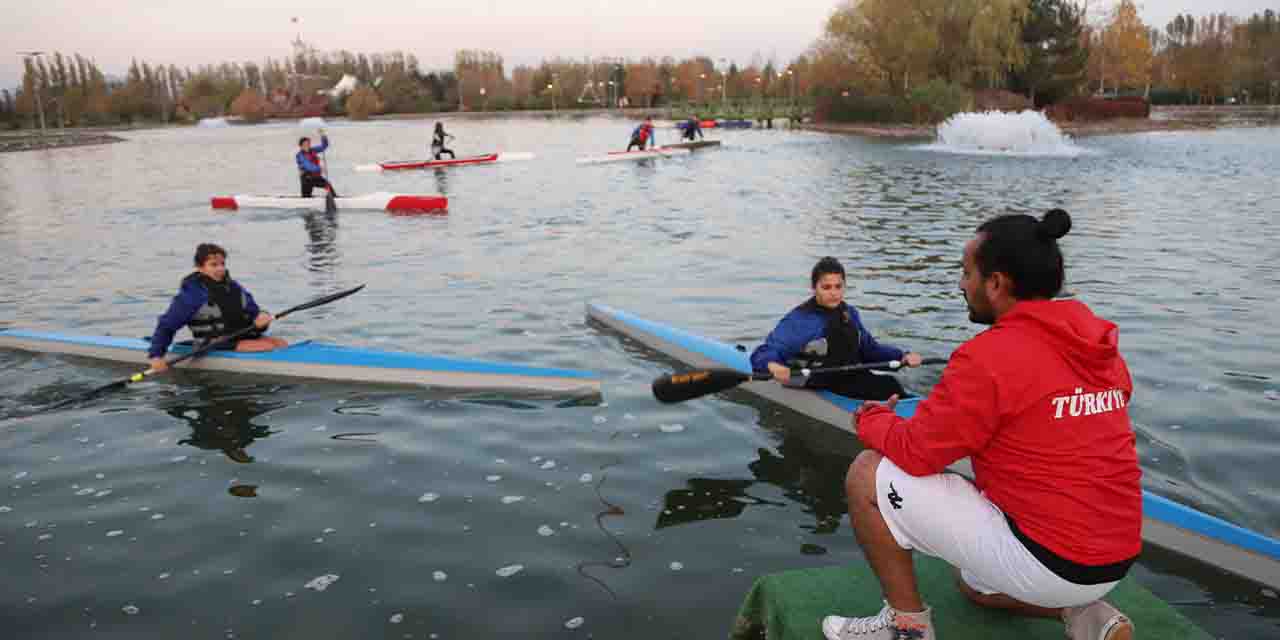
[[692, 128], [643, 135], [310, 169], [212, 305], [437, 143]]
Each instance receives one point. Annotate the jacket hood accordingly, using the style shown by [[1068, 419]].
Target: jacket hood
[[1089, 344]]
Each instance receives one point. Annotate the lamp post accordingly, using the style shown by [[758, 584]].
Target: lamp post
[[35, 84], [792, 75], [701, 77], [608, 95], [485, 99]]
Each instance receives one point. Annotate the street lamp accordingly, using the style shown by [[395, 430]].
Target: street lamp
[[701, 77], [485, 99], [550, 89], [35, 84], [792, 74]]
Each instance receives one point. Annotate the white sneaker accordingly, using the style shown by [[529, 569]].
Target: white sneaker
[[1097, 620], [889, 624]]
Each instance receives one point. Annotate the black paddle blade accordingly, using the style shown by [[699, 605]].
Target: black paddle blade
[[679, 387], [330, 203], [319, 301]]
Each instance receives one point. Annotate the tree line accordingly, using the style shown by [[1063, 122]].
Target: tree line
[[919, 51]]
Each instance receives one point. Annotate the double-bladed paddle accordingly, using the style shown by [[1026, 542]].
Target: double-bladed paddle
[[212, 344], [678, 387]]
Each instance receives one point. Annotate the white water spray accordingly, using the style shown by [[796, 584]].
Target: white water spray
[[212, 123], [1026, 133], [311, 122]]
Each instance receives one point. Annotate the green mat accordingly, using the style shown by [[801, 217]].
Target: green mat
[[790, 605]]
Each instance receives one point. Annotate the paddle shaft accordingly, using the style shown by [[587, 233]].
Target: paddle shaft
[[695, 384]]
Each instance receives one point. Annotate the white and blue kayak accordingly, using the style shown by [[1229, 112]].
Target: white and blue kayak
[[625, 156], [1166, 524], [317, 360]]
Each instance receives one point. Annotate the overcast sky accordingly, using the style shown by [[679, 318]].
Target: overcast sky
[[523, 31]]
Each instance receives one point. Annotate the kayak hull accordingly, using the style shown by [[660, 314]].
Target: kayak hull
[[625, 156], [389, 202], [1166, 524], [316, 360], [491, 158], [696, 144]]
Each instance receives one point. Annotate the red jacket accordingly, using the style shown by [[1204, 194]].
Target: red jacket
[[1038, 402]]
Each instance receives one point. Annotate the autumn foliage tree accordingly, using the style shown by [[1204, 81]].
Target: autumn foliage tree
[[250, 106], [1122, 51], [362, 103]]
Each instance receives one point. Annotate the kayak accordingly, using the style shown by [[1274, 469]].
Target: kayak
[[321, 361], [623, 156], [696, 144], [393, 202], [399, 165], [1166, 524]]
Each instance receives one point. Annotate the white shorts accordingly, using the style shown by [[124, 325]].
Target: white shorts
[[945, 516]]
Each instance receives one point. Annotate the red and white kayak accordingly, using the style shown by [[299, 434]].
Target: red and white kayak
[[391, 202], [622, 156], [399, 165]]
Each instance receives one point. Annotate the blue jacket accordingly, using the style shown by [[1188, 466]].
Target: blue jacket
[[802, 326], [184, 307], [305, 163]]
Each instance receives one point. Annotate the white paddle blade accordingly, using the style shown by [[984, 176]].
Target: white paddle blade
[[515, 156], [367, 168]]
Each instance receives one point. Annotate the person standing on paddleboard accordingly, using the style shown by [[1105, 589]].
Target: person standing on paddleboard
[[437, 143], [211, 304], [693, 128], [643, 135], [826, 331], [310, 171], [1039, 404]]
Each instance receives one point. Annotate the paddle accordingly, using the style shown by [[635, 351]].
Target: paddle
[[330, 203], [678, 387], [139, 377]]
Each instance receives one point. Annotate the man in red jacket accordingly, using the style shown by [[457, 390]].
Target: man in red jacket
[[1038, 403]]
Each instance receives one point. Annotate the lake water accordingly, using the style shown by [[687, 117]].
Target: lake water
[[382, 512]]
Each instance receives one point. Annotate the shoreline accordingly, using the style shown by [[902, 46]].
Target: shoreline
[[1074, 129], [29, 141]]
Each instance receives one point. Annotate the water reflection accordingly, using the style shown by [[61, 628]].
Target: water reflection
[[222, 419], [322, 241], [442, 181]]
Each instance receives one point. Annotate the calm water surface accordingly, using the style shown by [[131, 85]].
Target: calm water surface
[[136, 517]]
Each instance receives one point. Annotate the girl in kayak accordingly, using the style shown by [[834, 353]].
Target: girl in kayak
[[437, 143], [826, 332], [693, 128], [211, 304], [310, 173], [643, 135]]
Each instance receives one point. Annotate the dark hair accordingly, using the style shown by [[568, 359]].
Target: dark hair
[[207, 249], [439, 126], [1027, 251], [825, 266], [302, 140]]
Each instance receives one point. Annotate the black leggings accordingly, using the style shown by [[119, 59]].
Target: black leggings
[[636, 143], [311, 181], [439, 151]]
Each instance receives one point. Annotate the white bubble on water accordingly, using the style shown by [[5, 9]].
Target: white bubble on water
[[1271, 394], [493, 478], [319, 540], [320, 583], [500, 460], [584, 478], [671, 428], [130, 610], [163, 576], [20, 475], [439, 576], [545, 531], [5, 508], [599, 419], [115, 532], [574, 623], [178, 459], [321, 428], [550, 464], [535, 459], [1175, 427], [509, 570], [329, 530], [628, 416], [396, 618], [85, 491], [256, 602], [100, 476], [676, 566], [511, 499], [102, 494], [429, 497], [44, 536]]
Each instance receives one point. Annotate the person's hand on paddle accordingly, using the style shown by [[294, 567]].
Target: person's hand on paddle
[[780, 373], [872, 404], [913, 359], [263, 320], [159, 365]]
